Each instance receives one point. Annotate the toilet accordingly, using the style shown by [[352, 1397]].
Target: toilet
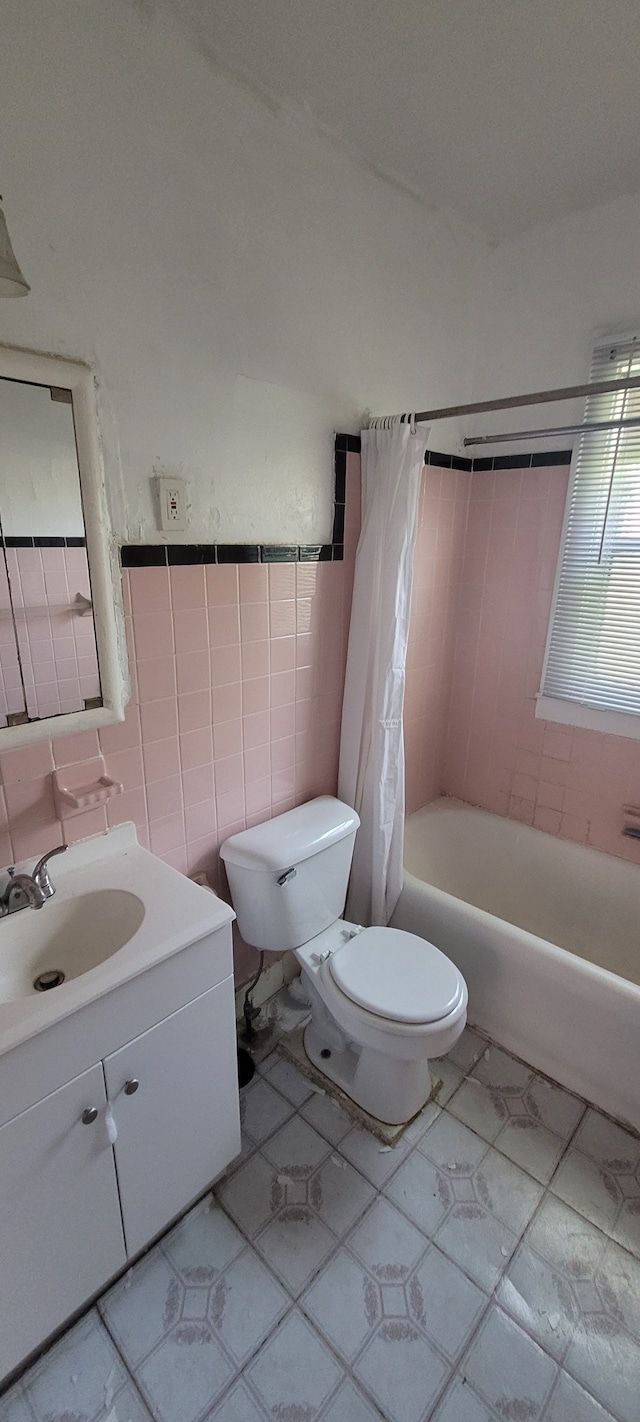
[[383, 1002]]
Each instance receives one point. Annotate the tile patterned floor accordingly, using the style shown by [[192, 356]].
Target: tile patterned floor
[[486, 1269]]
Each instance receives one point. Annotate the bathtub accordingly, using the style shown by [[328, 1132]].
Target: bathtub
[[547, 935]]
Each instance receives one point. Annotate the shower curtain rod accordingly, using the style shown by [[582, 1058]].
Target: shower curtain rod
[[539, 397], [546, 434]]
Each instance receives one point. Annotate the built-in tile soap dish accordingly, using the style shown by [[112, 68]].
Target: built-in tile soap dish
[[81, 787]]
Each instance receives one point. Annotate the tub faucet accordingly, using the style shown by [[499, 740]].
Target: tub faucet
[[29, 890]]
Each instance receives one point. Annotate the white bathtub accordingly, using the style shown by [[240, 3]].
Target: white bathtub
[[547, 935]]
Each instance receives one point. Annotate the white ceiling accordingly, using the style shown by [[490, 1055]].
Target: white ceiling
[[509, 112]]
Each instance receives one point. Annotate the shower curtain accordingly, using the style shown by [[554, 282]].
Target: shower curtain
[[371, 774]]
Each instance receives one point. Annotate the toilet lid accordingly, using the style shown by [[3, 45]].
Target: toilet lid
[[397, 975]]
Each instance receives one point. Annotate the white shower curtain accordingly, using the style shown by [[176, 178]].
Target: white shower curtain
[[371, 774]]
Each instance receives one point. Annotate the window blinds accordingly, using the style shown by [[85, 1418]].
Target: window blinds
[[593, 649]]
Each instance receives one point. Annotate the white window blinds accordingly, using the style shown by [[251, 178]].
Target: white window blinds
[[593, 648]]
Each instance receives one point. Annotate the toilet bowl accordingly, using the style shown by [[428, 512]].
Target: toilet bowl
[[383, 1002]]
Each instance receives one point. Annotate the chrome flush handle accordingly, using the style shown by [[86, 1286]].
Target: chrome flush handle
[[287, 876]]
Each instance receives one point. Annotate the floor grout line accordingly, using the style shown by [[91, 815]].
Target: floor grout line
[[294, 1299]]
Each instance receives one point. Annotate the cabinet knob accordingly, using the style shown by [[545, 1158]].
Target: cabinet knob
[[89, 1114], [131, 1086]]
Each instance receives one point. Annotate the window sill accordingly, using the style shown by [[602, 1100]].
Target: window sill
[[591, 718]]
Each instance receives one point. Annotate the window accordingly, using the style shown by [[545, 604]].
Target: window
[[591, 674]]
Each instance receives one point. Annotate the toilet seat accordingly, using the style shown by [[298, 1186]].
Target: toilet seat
[[397, 976]]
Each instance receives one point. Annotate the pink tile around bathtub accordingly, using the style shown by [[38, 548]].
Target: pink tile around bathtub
[[255, 695], [225, 665], [187, 588], [283, 688], [224, 625], [283, 753], [153, 634], [27, 763], [222, 585], [229, 774], [230, 809], [124, 734], [161, 759], [547, 819], [227, 738], [126, 766], [550, 795], [283, 654], [258, 797], [164, 798], [226, 702], [149, 590], [73, 748], [191, 630], [167, 834], [254, 621], [282, 582], [283, 618], [255, 659], [256, 729], [131, 805], [200, 820], [192, 672], [196, 748], [156, 678], [197, 785], [557, 743], [158, 719], [194, 711], [257, 764], [254, 582], [282, 721]]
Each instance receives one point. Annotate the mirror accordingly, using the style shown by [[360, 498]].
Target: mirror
[[59, 665]]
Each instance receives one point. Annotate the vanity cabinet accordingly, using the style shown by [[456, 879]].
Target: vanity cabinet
[[60, 1227], [177, 1121], [75, 1206]]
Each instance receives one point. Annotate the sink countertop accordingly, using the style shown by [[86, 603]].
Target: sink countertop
[[177, 913]]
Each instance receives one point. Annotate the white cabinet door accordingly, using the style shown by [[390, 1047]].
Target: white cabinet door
[[60, 1227], [180, 1125]]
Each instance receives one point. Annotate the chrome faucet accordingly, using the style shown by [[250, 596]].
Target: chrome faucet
[[29, 890]]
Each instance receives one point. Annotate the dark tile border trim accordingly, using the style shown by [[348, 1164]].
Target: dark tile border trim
[[543, 459], [175, 555], [498, 461], [181, 555], [44, 542]]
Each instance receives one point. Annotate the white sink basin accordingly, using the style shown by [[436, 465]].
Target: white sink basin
[[67, 937], [117, 911]]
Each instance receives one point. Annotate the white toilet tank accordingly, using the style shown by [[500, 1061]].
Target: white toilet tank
[[288, 877]]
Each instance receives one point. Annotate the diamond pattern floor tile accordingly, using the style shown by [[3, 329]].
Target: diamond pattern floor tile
[[466, 1197], [578, 1293], [526, 1117], [295, 1374], [391, 1255], [289, 1081], [262, 1110], [195, 1309], [600, 1177], [82, 1378], [295, 1200]]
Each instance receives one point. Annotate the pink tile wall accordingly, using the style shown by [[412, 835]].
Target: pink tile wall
[[437, 565], [486, 557], [566, 781], [237, 676]]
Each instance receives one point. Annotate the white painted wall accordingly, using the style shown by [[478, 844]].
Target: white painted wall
[[39, 480], [243, 286], [546, 296]]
